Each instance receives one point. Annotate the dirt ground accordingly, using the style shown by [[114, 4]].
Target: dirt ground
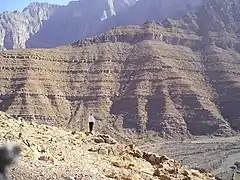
[[214, 154]]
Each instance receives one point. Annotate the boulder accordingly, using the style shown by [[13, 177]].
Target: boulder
[[152, 159], [185, 172], [103, 151], [46, 158], [98, 140], [137, 153], [237, 164], [107, 139]]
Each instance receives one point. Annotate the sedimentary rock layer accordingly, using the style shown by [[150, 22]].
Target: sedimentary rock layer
[[146, 77]]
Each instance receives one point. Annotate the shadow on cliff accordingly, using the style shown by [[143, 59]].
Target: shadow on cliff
[[6, 102], [67, 24]]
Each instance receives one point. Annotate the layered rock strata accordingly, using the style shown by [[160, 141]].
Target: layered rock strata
[[171, 77], [152, 83]]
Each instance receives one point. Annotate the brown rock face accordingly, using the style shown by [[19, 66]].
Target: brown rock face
[[166, 78]]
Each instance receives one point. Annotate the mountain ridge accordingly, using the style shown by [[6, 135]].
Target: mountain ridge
[[18, 32], [69, 23], [16, 27], [177, 77]]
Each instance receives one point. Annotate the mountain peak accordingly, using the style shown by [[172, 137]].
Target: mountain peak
[[36, 5], [85, 18]]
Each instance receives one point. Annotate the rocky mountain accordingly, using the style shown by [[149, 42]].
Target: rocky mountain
[[78, 19], [43, 25], [69, 28], [17, 27], [175, 77], [54, 153], [157, 10]]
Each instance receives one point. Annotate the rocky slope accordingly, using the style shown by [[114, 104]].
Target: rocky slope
[[178, 77], [215, 154], [53, 153]]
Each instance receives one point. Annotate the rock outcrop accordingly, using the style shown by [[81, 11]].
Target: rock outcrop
[[55, 153], [2, 48]]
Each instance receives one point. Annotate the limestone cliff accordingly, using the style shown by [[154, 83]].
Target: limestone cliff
[[45, 25], [17, 27], [170, 77]]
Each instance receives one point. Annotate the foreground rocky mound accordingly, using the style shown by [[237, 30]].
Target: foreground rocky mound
[[53, 153]]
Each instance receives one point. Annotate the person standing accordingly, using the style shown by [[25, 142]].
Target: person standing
[[91, 121]]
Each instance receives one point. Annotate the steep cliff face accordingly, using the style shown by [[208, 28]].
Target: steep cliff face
[[117, 13], [42, 25], [157, 10], [17, 27], [219, 24], [78, 19]]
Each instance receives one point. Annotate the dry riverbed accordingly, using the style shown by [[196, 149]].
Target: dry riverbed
[[212, 154]]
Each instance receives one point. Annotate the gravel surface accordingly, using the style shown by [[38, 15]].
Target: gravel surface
[[212, 154]]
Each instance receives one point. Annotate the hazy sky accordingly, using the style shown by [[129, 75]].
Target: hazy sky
[[11, 5]]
